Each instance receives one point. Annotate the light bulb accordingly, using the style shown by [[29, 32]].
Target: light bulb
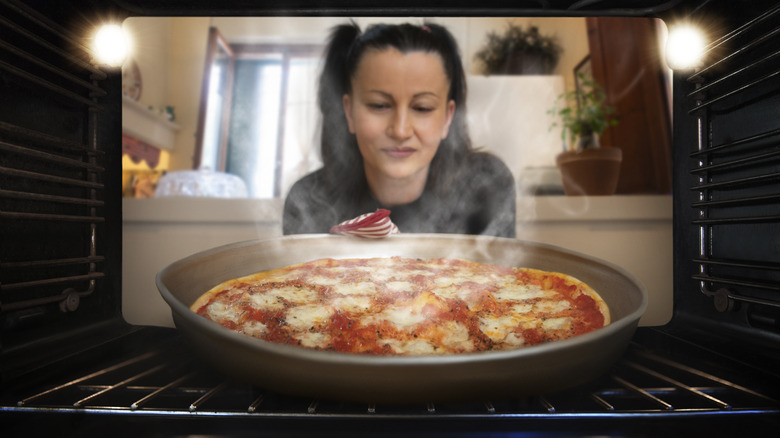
[[684, 47], [111, 45]]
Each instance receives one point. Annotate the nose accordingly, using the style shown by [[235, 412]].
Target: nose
[[400, 126]]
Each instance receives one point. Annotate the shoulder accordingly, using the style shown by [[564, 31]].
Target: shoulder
[[305, 193], [309, 180], [308, 187], [488, 164], [306, 208]]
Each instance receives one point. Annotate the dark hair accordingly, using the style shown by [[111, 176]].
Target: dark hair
[[342, 162]]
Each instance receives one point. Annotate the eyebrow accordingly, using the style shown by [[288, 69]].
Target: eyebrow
[[420, 94]]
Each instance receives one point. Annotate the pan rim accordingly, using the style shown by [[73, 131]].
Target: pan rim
[[331, 357]]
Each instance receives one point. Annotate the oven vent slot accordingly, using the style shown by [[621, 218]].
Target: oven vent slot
[[51, 168], [736, 172]]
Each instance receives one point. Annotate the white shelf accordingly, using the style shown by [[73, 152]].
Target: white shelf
[[144, 124]]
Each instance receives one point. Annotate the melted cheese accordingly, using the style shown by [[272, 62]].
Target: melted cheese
[[354, 303], [552, 306], [266, 301], [411, 347], [314, 339], [456, 336], [306, 316], [364, 288], [403, 317], [399, 286], [224, 311], [556, 323], [518, 292], [497, 328], [254, 328]]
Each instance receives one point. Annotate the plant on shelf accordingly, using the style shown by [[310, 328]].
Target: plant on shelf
[[584, 114], [586, 168], [519, 51]]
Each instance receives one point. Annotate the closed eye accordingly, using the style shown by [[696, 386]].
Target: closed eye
[[378, 106]]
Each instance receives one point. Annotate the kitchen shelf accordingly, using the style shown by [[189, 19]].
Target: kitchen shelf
[[144, 124]]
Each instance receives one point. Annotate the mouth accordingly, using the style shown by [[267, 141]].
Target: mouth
[[399, 152]]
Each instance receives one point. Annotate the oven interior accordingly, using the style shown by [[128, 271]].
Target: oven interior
[[69, 361]]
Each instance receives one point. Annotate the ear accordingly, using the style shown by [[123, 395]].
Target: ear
[[448, 121], [346, 102]]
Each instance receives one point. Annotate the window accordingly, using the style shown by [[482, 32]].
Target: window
[[271, 125]]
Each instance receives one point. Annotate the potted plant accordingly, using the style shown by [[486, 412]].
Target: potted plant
[[519, 51], [586, 167]]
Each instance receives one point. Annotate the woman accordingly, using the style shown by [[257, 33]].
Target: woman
[[394, 136]]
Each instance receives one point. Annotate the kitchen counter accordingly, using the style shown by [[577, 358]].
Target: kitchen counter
[[634, 232]]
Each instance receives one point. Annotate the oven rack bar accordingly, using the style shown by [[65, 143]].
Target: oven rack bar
[[49, 178], [24, 216], [725, 298], [52, 68], [47, 281], [738, 162], [50, 263], [46, 140], [740, 264], [738, 220], [740, 201], [721, 42], [11, 194], [45, 156], [49, 85], [155, 383], [733, 183], [32, 16], [740, 282], [700, 94], [731, 144], [733, 92]]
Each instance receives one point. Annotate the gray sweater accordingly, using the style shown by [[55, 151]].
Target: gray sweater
[[481, 200]]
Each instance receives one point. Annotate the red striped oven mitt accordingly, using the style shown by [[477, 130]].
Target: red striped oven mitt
[[374, 225]]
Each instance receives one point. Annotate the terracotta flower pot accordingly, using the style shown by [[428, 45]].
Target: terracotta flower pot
[[592, 172]]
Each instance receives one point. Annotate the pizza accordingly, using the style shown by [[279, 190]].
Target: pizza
[[405, 306]]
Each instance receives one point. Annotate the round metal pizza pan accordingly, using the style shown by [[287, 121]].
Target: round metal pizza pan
[[298, 371]]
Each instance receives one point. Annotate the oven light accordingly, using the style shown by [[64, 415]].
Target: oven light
[[111, 45], [684, 47]]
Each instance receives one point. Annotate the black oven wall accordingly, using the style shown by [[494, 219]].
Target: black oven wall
[[60, 186], [727, 169]]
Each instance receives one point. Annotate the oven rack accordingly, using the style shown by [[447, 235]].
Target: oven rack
[[51, 168], [169, 382], [737, 168]]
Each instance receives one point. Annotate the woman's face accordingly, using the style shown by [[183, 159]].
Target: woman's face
[[399, 112]]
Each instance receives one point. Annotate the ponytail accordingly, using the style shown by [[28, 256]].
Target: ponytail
[[341, 157]]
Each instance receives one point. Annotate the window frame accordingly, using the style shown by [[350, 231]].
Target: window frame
[[283, 51], [215, 42]]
